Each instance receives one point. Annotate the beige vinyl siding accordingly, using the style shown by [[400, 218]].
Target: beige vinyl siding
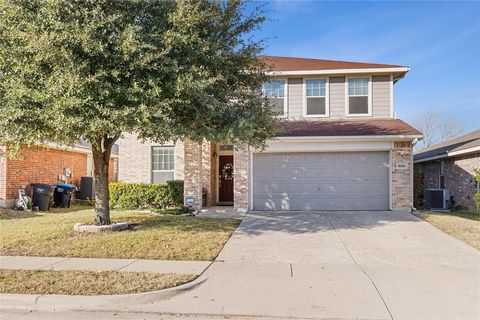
[[381, 97], [295, 98], [337, 97]]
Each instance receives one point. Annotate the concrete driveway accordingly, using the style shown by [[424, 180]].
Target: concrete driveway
[[345, 265], [322, 265]]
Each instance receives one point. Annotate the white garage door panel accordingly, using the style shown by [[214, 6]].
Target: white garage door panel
[[321, 181]]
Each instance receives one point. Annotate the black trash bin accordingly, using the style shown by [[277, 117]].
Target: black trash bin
[[62, 196], [42, 195]]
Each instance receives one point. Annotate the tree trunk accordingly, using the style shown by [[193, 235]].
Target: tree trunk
[[101, 151]]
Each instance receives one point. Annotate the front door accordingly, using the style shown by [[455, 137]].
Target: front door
[[225, 179]]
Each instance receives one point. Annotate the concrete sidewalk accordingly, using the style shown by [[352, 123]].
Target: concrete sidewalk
[[124, 265]]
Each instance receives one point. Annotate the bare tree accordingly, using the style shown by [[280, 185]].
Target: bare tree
[[436, 128]]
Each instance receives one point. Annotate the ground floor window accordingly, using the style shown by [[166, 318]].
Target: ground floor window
[[163, 164]]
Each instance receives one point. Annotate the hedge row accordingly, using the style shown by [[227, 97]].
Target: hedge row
[[133, 196]]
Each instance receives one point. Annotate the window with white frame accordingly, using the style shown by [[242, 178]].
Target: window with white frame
[[163, 164], [316, 97], [275, 91], [358, 96]]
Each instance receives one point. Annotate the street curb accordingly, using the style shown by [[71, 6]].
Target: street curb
[[52, 302]]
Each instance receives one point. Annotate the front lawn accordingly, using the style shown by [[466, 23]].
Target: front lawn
[[464, 226], [161, 237], [86, 282]]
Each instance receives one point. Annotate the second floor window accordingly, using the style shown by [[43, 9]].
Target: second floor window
[[163, 164], [275, 91], [358, 96], [316, 97]]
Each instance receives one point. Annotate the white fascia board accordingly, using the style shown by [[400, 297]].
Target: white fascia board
[[276, 146], [337, 71], [350, 138], [464, 151]]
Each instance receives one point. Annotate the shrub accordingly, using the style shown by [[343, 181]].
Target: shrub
[[176, 192], [133, 196]]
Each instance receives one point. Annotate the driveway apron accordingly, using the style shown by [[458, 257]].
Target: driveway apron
[[345, 265]]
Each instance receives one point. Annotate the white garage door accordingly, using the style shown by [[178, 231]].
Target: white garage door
[[321, 181]]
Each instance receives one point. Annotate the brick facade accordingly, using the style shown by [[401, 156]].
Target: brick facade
[[241, 187], [459, 177], [193, 174], [3, 177], [40, 165], [402, 175], [208, 172], [135, 159]]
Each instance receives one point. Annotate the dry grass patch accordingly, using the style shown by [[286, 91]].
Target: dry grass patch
[[159, 237], [464, 226], [87, 282]]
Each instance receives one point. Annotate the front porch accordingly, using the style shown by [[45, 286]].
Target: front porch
[[216, 175]]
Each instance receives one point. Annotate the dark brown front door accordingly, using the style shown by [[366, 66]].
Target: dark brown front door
[[225, 181]]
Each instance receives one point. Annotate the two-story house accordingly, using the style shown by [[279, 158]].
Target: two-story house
[[340, 147]]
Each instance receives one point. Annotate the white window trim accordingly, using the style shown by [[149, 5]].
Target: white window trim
[[151, 158], [347, 100], [327, 98], [392, 110], [285, 95]]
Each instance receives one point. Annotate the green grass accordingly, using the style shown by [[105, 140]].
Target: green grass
[[465, 214], [162, 237], [86, 282], [464, 225]]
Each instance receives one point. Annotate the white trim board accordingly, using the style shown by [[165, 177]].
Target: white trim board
[[326, 146], [338, 71], [350, 138]]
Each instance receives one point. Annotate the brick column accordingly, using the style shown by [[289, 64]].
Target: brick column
[[179, 160], [241, 179], [402, 176], [207, 171], [193, 174], [3, 177]]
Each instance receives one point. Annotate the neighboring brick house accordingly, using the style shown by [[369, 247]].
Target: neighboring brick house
[[450, 165], [340, 147], [46, 164]]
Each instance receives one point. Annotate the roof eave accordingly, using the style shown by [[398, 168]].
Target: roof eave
[[402, 70], [396, 137], [448, 154]]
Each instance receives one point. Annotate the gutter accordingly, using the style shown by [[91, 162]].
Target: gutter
[[350, 138], [337, 71]]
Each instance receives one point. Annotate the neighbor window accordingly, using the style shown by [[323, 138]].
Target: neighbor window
[[275, 91], [163, 164], [316, 97], [358, 99], [442, 175]]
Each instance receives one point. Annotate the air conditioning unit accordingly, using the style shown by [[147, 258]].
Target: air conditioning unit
[[437, 199]]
